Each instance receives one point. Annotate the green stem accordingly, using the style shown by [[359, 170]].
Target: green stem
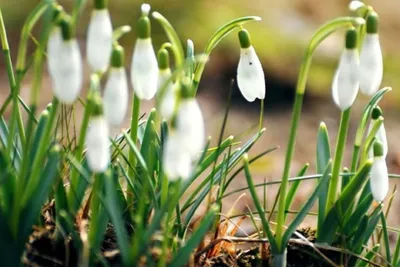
[[322, 33], [260, 122], [95, 208], [337, 163], [133, 135], [94, 86], [285, 180]]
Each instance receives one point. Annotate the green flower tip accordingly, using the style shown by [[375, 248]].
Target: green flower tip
[[163, 59], [376, 113], [245, 157], [143, 27], [346, 170], [186, 89], [117, 56], [100, 4], [55, 149], [66, 28], [351, 38], [372, 22], [378, 149], [244, 39], [97, 105], [57, 12]]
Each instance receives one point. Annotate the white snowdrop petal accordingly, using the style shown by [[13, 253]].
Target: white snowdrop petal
[[53, 46], [346, 79], [98, 145], [176, 161], [67, 75], [190, 126], [167, 103], [250, 75], [144, 70], [99, 40], [371, 65], [379, 181], [116, 97]]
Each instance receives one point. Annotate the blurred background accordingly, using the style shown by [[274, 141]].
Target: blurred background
[[280, 40]]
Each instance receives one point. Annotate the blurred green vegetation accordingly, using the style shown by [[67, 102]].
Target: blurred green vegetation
[[280, 39]]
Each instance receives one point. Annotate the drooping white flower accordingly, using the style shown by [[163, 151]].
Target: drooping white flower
[[65, 64], [116, 90], [346, 79], [97, 142], [99, 38], [177, 162], [379, 181], [190, 126], [250, 74], [166, 89], [144, 70], [53, 45], [380, 134], [371, 64]]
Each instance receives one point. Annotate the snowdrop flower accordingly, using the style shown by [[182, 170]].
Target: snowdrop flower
[[250, 75], [177, 162], [167, 97], [99, 37], [379, 181], [65, 63], [144, 70], [371, 65], [381, 133], [346, 79], [116, 89], [190, 124], [97, 143]]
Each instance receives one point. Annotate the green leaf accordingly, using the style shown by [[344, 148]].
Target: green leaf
[[342, 205], [323, 157], [385, 238], [257, 203], [369, 256], [307, 206], [31, 211], [295, 186], [114, 210], [173, 37], [181, 258], [355, 216]]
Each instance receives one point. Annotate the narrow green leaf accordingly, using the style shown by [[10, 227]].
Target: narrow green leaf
[[342, 205], [293, 189], [31, 211], [307, 206], [181, 258], [396, 254], [121, 31], [355, 216], [114, 210], [369, 256], [386, 238], [258, 205]]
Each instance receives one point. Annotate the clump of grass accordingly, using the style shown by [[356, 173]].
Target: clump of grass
[[89, 188]]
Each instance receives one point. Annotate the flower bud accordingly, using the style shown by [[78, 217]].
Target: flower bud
[[116, 89], [379, 181], [177, 162], [380, 134], [97, 142], [250, 74], [144, 69], [65, 63], [371, 63], [346, 79], [167, 98], [99, 37]]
